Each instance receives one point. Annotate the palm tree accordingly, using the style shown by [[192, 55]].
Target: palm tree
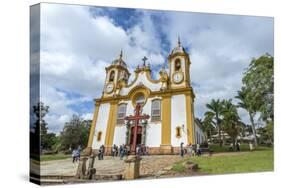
[[231, 122], [214, 112], [246, 103]]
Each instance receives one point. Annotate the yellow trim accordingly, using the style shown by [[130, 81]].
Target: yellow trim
[[93, 126], [135, 92], [147, 74], [166, 120], [189, 119], [117, 67], [111, 124], [177, 91], [184, 54]]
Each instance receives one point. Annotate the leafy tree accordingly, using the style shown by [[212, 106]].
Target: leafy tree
[[214, 112], [231, 122], [208, 126], [75, 133], [259, 83], [247, 102], [266, 133], [48, 141]]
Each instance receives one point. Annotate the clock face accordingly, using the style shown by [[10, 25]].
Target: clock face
[[109, 88], [178, 77]]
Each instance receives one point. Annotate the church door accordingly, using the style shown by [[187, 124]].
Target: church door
[[139, 137]]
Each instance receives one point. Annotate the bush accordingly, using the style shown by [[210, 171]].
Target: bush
[[204, 144]]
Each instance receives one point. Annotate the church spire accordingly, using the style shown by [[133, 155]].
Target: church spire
[[179, 42], [121, 54]]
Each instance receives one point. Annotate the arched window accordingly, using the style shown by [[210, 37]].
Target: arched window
[[156, 110], [177, 65], [99, 136], [140, 99], [121, 113], [178, 132], [111, 76]]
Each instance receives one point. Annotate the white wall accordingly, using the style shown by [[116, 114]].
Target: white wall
[[142, 78], [178, 118], [101, 125], [119, 135]]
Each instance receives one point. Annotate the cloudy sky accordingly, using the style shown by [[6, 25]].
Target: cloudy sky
[[78, 42]]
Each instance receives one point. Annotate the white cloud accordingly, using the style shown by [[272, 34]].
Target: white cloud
[[75, 49], [221, 48], [77, 44]]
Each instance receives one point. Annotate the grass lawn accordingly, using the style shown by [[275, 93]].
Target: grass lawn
[[232, 162], [225, 148], [54, 157]]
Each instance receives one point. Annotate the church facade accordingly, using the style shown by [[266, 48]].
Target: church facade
[[168, 101]]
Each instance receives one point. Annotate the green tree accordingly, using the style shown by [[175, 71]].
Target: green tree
[[247, 102], [49, 140], [214, 112], [74, 134], [259, 82], [231, 122], [266, 133], [208, 126]]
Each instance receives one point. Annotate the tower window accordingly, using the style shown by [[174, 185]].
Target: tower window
[[156, 110], [177, 65], [121, 113], [111, 76], [99, 136]]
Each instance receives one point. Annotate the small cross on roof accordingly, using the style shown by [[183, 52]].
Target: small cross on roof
[[144, 59]]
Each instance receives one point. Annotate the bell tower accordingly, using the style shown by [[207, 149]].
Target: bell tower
[[179, 67], [117, 76]]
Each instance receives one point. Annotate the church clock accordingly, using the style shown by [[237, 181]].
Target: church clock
[[178, 77], [109, 87]]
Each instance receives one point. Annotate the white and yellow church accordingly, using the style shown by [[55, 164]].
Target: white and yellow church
[[169, 102]]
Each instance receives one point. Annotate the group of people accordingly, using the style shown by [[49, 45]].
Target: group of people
[[236, 146], [190, 150], [122, 151], [141, 149]]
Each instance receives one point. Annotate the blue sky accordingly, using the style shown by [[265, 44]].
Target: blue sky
[[78, 42]]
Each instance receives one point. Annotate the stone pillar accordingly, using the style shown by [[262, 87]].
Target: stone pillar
[[132, 170], [81, 170], [91, 170]]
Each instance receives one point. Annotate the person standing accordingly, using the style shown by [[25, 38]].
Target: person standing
[[122, 151], [74, 155], [102, 152], [113, 151], [116, 150], [251, 146], [198, 150], [237, 146], [181, 150], [189, 149]]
